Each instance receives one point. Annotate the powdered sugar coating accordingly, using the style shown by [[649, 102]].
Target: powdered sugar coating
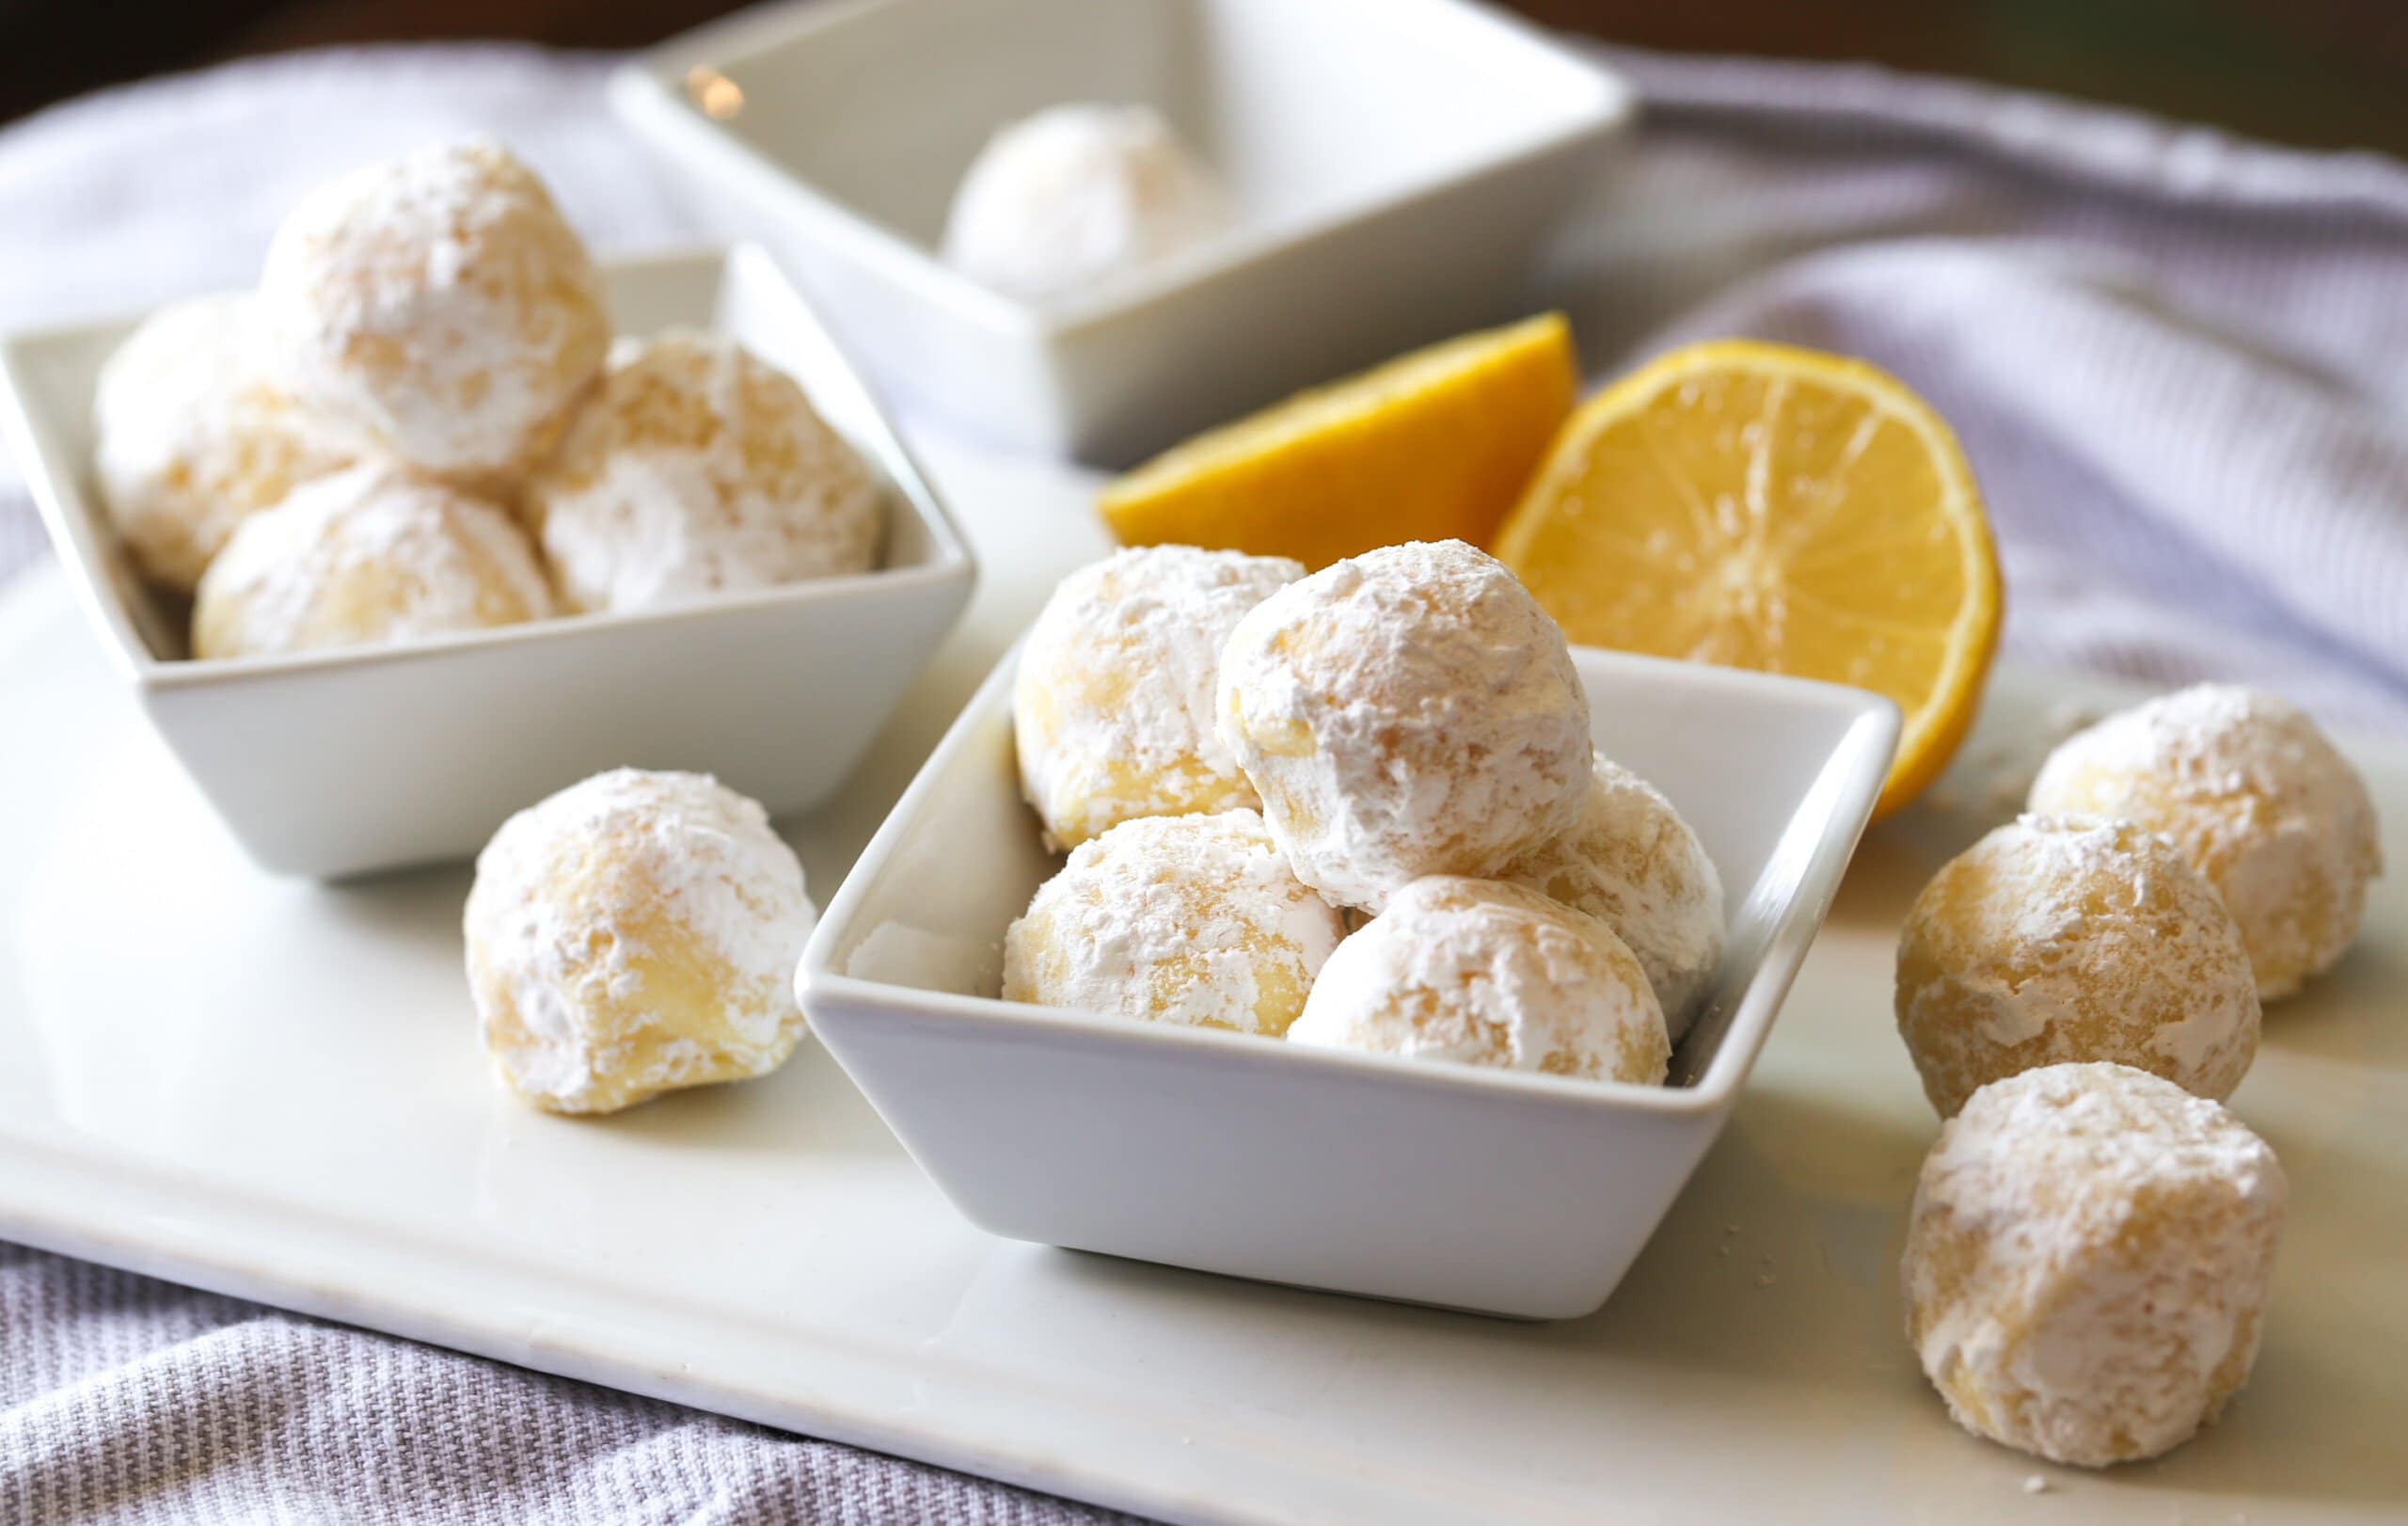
[[635, 933], [1111, 705], [1482, 973], [1634, 864], [1077, 197], [366, 556], [699, 469], [2259, 800], [2058, 939], [439, 307], [2087, 1261], [1191, 920], [193, 436], [1407, 712]]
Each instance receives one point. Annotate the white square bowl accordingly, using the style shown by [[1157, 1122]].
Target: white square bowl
[[1437, 1183], [342, 762], [1396, 165]]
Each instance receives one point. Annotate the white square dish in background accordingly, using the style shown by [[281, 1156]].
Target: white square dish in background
[[1396, 165], [1439, 1184], [341, 762]]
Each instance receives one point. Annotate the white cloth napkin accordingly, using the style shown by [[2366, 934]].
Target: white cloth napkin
[[2178, 363]]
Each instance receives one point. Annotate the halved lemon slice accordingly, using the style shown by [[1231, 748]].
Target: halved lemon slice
[[1433, 445], [1780, 509]]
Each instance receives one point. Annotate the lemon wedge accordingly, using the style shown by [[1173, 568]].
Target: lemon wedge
[[1433, 445]]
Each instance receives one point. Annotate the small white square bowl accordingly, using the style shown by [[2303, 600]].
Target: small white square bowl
[[342, 762], [1448, 1185], [1396, 165]]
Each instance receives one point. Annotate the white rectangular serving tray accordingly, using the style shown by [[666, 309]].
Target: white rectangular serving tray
[[273, 1089]]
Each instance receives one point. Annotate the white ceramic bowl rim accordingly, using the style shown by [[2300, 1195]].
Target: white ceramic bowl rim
[[907, 490], [159, 671], [734, 41], [1841, 787]]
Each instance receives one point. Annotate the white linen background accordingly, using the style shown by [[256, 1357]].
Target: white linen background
[[2178, 363]]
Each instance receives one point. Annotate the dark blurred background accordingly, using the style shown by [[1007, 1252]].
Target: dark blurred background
[[2323, 74]]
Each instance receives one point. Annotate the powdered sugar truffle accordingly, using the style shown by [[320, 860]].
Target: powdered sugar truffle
[[2087, 1261], [438, 306], [2059, 939], [194, 436], [1076, 197], [1635, 865], [366, 556], [635, 933], [2257, 800], [1187, 919], [1407, 712], [1111, 705], [699, 469], [1482, 973]]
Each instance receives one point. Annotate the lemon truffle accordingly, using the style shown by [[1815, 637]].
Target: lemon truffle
[[1112, 704], [1077, 197], [2059, 939], [700, 469], [367, 556], [436, 308], [1407, 712], [1482, 973], [635, 933], [194, 436], [2257, 800], [1183, 919], [1636, 866], [2087, 1260]]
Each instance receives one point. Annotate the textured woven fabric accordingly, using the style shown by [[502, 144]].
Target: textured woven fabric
[[2179, 365], [2178, 362], [125, 1399]]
